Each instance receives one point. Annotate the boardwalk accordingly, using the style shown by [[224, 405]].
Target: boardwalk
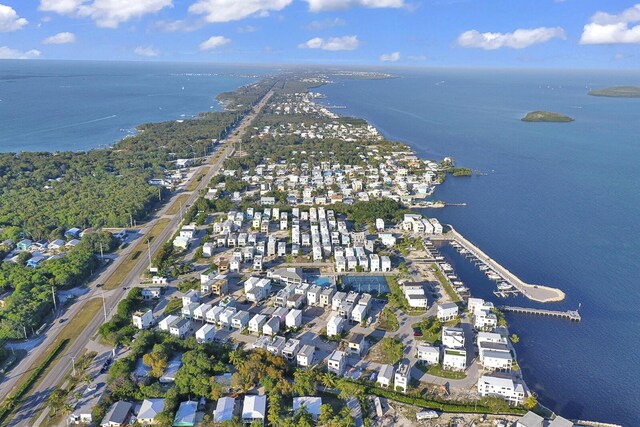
[[537, 293], [572, 315]]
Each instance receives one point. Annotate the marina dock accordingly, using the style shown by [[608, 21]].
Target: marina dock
[[534, 292], [572, 315]]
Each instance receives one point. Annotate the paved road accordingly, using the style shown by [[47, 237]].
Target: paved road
[[38, 396]]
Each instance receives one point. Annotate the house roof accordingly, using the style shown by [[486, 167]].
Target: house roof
[[224, 409], [386, 371], [560, 422], [254, 407], [531, 419], [117, 413], [186, 415], [150, 408]]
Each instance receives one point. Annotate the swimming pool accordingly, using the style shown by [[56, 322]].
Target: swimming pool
[[370, 284]]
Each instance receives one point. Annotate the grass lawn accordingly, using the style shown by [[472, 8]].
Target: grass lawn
[[445, 284], [198, 179], [175, 206], [123, 269], [388, 321], [72, 330], [437, 371]]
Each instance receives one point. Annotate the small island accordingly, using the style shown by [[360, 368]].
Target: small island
[[617, 92], [546, 116]]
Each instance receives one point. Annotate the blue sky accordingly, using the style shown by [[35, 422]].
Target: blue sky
[[459, 33]]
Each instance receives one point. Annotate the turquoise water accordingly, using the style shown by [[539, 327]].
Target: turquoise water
[[78, 105], [321, 281], [558, 206]]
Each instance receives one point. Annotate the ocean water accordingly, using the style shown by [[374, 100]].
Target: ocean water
[[558, 205], [79, 105]]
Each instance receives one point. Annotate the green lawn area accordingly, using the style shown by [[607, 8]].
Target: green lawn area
[[432, 328], [173, 306], [196, 181], [175, 206], [445, 284], [437, 371]]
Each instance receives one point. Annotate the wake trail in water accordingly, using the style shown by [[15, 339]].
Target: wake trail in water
[[35, 132]]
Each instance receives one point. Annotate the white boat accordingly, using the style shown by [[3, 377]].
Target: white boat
[[484, 267], [504, 286]]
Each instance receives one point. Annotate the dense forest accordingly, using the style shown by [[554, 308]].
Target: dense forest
[[42, 192]]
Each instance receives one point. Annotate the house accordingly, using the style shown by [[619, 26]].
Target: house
[[188, 231], [254, 409], [186, 415], [240, 320], [276, 345], [385, 262], [24, 245], [387, 239], [428, 354], [452, 337], [495, 356], [225, 317], [256, 323], [335, 324], [173, 366], [72, 233], [402, 376], [201, 311], [447, 311], [143, 319], [257, 289], [311, 404], [507, 388], [192, 296], [530, 419], [213, 315], [181, 243], [385, 376], [206, 333], [164, 323], [454, 359], [295, 301], [313, 295], [337, 300], [271, 327], [189, 309], [56, 245], [374, 262], [305, 355], [325, 296], [415, 295], [180, 328], [290, 348], [337, 362], [207, 249], [117, 415], [293, 319], [225, 409], [357, 344], [151, 293], [379, 224]]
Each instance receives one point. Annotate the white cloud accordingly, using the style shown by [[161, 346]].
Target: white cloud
[[390, 57], [8, 53], [214, 42], [179, 25], [146, 51], [105, 13], [324, 24], [247, 29], [60, 38], [9, 20], [332, 43], [605, 28], [518, 39], [323, 5], [233, 10]]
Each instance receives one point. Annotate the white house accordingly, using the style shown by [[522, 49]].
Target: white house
[[385, 376], [180, 328], [201, 311], [379, 224], [291, 348], [164, 323], [205, 333], [415, 295], [428, 354], [293, 319], [452, 337], [305, 355], [151, 293], [240, 320], [530, 419], [254, 409], [402, 377], [506, 388], [207, 249], [143, 319], [335, 324], [225, 409], [447, 311], [387, 239], [256, 323], [454, 359], [149, 410], [385, 263], [190, 297], [271, 327], [311, 404], [256, 289], [337, 362]]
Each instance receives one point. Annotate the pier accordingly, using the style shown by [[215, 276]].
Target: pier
[[572, 315], [534, 292]]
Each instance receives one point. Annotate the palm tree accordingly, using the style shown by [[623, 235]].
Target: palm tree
[[236, 357], [67, 408], [328, 379]]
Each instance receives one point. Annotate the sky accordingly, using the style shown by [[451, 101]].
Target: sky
[[429, 33]]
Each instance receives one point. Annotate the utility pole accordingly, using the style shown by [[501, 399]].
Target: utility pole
[[73, 365], [149, 250], [101, 253], [53, 295], [104, 306], [24, 329]]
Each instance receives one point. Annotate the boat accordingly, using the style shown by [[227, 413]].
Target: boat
[[494, 276], [484, 267], [504, 286]]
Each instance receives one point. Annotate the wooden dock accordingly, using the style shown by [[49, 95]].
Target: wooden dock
[[572, 315]]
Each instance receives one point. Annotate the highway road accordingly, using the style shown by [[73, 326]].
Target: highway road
[[37, 398]]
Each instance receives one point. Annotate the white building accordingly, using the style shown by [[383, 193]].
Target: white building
[[180, 328], [256, 323], [305, 355], [452, 337], [359, 313], [225, 409], [311, 404], [164, 323], [143, 319], [428, 354], [506, 388], [454, 359], [257, 289], [385, 263], [206, 333], [447, 311], [337, 362], [415, 295], [385, 375], [402, 377], [293, 319], [254, 409], [271, 327]]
